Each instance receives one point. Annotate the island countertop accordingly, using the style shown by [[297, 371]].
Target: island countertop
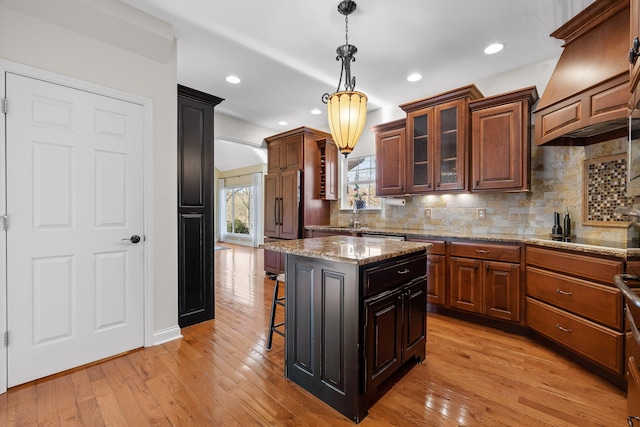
[[347, 249]]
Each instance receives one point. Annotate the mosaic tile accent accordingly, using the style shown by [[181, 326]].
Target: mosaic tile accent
[[605, 189]]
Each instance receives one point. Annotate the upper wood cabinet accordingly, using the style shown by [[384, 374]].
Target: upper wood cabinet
[[327, 183], [501, 141], [390, 158], [438, 140], [285, 154]]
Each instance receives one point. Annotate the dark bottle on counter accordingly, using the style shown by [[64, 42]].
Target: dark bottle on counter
[[557, 229], [567, 223]]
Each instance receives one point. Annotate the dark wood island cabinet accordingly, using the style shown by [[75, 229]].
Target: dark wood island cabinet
[[355, 313]]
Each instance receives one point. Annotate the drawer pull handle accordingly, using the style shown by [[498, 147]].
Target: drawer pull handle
[[562, 329], [482, 251], [561, 292], [405, 271]]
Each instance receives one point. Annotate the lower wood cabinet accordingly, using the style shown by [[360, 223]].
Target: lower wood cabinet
[[485, 279], [273, 262], [571, 299], [436, 270]]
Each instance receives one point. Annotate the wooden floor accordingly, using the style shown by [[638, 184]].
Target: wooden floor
[[221, 374]]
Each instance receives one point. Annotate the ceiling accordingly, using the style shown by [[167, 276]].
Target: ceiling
[[284, 51]]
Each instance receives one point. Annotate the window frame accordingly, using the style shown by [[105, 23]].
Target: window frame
[[345, 199]]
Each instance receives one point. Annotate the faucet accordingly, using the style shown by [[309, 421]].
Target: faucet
[[354, 222]]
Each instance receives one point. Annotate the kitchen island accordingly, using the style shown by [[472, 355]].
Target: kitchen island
[[355, 313]]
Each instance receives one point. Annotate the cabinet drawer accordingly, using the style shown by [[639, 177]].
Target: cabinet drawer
[[393, 273], [486, 251], [574, 264], [602, 304], [438, 247], [595, 342]]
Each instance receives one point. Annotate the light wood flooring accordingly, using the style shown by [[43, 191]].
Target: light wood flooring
[[221, 374]]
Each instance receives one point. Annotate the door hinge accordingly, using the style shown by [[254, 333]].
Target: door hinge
[[6, 338], [5, 222], [4, 105]]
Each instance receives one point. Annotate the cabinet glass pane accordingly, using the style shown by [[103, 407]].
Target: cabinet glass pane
[[420, 126], [448, 174], [420, 174], [449, 119], [420, 149], [449, 146]]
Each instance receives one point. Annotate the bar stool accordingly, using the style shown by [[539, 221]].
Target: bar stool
[[278, 328]]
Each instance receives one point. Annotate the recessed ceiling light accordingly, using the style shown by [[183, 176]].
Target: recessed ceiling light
[[494, 48], [233, 79], [414, 77], [316, 111], [283, 123]]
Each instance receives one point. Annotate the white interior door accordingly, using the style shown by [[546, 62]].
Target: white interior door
[[74, 185]]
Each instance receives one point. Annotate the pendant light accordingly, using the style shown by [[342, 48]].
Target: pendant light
[[347, 109]]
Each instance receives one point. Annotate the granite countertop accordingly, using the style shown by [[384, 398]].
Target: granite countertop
[[598, 247], [347, 249]]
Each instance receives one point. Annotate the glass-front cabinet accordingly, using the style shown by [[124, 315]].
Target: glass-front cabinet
[[420, 152], [451, 155], [437, 133]]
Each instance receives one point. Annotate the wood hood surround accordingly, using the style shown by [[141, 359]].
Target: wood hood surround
[[586, 99]]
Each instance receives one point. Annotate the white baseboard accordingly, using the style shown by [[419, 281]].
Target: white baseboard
[[165, 335]]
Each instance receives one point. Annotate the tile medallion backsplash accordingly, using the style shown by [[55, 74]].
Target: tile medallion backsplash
[[605, 189], [556, 185]]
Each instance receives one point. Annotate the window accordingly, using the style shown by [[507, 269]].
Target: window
[[238, 210], [360, 183]]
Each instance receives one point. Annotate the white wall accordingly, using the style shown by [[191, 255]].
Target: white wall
[[94, 51]]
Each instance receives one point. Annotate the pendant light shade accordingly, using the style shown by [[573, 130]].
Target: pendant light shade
[[347, 109], [347, 112]]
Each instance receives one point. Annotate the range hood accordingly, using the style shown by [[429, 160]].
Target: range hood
[[586, 99]]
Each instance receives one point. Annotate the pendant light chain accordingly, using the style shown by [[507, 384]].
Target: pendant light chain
[[346, 29]]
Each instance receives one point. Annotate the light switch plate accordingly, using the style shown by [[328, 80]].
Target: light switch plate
[[482, 213]]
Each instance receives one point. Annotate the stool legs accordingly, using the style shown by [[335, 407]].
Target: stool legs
[[278, 328]]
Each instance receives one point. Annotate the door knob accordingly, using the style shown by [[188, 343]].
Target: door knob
[[133, 239]]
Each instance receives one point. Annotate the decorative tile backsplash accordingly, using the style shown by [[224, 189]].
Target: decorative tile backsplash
[[556, 184], [605, 189]]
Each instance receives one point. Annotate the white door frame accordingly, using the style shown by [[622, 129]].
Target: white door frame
[[147, 105]]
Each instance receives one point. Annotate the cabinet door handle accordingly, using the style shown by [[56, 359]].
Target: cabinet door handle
[[487, 267], [634, 52], [438, 184], [482, 251], [476, 265], [562, 329], [631, 419], [561, 292], [275, 212], [405, 271]]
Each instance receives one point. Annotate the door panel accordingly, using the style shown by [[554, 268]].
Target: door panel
[[290, 205], [75, 197]]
